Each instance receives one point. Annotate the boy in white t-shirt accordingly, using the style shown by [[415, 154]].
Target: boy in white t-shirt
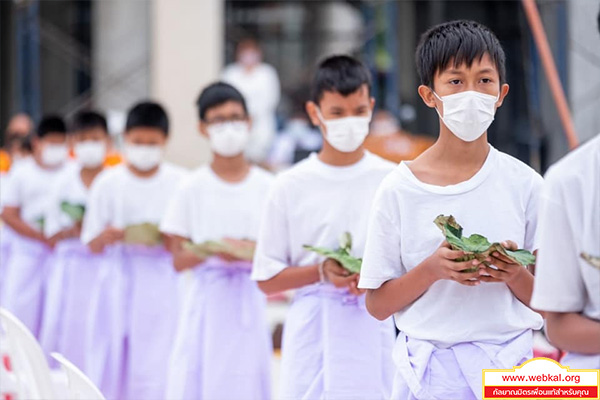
[[567, 282], [73, 267], [331, 348], [24, 207], [223, 347], [134, 302], [454, 323]]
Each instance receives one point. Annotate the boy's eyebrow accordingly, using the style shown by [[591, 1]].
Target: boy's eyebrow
[[452, 71], [486, 71]]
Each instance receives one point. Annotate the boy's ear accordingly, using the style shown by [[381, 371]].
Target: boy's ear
[[372, 104], [311, 110], [427, 96], [503, 92], [202, 129]]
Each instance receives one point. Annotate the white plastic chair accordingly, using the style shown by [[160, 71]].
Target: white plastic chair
[[80, 387], [29, 364]]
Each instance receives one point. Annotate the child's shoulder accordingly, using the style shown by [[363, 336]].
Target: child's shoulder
[[262, 175], [582, 161], [298, 170], [111, 175], [379, 163], [514, 169], [174, 170], [198, 177]]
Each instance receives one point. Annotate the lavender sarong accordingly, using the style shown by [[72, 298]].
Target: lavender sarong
[[23, 286], [134, 311], [426, 372], [71, 274], [223, 348], [333, 348]]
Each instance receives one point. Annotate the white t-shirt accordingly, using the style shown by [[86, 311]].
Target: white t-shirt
[[30, 187], [260, 87], [570, 225], [70, 188], [205, 207], [314, 203], [118, 198], [500, 202]]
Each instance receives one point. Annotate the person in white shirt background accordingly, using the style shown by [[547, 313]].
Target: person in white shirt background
[[73, 267], [455, 317], [135, 300], [223, 347], [24, 207], [17, 148], [259, 84], [332, 348], [567, 285]]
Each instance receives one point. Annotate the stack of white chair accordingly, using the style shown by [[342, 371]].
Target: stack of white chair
[[24, 373]]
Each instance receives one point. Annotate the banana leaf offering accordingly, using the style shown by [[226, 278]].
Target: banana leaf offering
[[240, 249], [146, 234], [341, 254], [477, 246], [591, 260], [74, 211]]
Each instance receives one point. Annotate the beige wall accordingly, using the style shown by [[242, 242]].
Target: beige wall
[[186, 54]]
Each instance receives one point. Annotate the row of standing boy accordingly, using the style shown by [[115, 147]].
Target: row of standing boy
[[123, 314]]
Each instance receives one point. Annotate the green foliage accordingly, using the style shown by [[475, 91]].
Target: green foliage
[[591, 260], [477, 246], [74, 211], [145, 234], [213, 247], [342, 254]]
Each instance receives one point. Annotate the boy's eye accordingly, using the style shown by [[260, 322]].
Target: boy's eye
[[455, 81], [486, 80]]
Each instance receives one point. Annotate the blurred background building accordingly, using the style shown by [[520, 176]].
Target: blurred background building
[[60, 56]]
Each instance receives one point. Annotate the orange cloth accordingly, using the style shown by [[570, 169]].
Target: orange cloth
[[4, 161], [112, 159], [399, 146]]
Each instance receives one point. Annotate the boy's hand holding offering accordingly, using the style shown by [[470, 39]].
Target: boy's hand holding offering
[[185, 259], [443, 265], [341, 277], [68, 233], [109, 235], [507, 270]]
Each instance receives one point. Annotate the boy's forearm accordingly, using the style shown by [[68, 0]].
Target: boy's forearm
[[396, 294], [290, 278], [522, 286], [573, 332], [21, 227]]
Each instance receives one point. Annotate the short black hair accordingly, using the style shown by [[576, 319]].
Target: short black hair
[[84, 120], [51, 124], [458, 42], [216, 94], [340, 74], [147, 114]]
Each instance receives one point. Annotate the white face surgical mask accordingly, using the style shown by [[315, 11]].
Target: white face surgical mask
[[54, 154], [468, 114], [346, 134], [143, 157], [90, 153], [228, 139]]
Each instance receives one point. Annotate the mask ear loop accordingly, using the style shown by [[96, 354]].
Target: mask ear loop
[[436, 109]]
